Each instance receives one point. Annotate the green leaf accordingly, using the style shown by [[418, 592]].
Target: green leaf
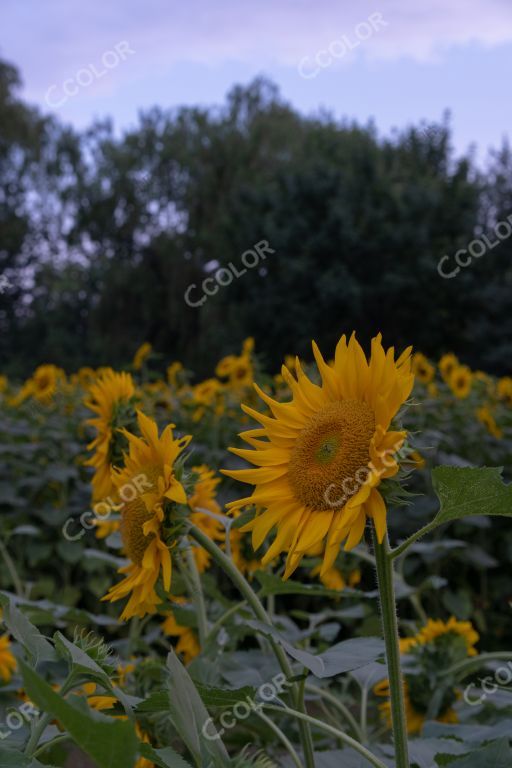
[[465, 492], [274, 585], [10, 758], [190, 717], [163, 758], [224, 697], [342, 657], [496, 754], [38, 648], [110, 742]]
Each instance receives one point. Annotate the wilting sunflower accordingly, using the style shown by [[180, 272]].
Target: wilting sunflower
[[437, 646], [149, 468], [447, 365], [141, 355], [111, 398], [201, 502], [321, 457], [460, 381], [7, 660], [422, 368]]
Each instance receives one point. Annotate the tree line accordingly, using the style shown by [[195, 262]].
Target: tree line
[[102, 236]]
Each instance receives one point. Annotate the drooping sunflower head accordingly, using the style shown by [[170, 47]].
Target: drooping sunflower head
[[112, 399], [460, 381], [422, 368], [149, 488], [321, 457]]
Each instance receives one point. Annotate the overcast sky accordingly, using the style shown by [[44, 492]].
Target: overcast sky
[[396, 61]]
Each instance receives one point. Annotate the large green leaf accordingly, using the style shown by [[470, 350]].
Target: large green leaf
[[110, 742], [190, 717], [11, 758], [38, 648], [342, 657], [163, 758], [467, 491], [495, 755]]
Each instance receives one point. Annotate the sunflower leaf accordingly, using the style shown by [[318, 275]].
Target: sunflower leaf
[[468, 491], [111, 743], [342, 657], [37, 646]]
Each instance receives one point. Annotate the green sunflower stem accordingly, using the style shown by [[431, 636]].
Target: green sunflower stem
[[385, 574], [198, 597], [261, 614]]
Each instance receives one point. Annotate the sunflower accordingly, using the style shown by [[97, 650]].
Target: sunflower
[[110, 397], [435, 629], [321, 457], [7, 660], [44, 383], [422, 368], [203, 498], [460, 381], [447, 364], [438, 645], [4, 383], [414, 717], [187, 645], [150, 459], [485, 417], [141, 355], [504, 390]]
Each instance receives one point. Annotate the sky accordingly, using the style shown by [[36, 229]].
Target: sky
[[396, 62]]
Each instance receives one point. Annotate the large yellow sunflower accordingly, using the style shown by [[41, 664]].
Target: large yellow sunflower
[[109, 397], [321, 457], [149, 473]]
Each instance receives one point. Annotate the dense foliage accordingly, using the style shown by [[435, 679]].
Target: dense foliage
[[91, 677], [101, 234]]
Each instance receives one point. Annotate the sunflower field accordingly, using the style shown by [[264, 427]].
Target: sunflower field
[[296, 569]]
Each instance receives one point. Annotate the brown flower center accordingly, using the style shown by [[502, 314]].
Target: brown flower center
[[135, 513], [330, 457]]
